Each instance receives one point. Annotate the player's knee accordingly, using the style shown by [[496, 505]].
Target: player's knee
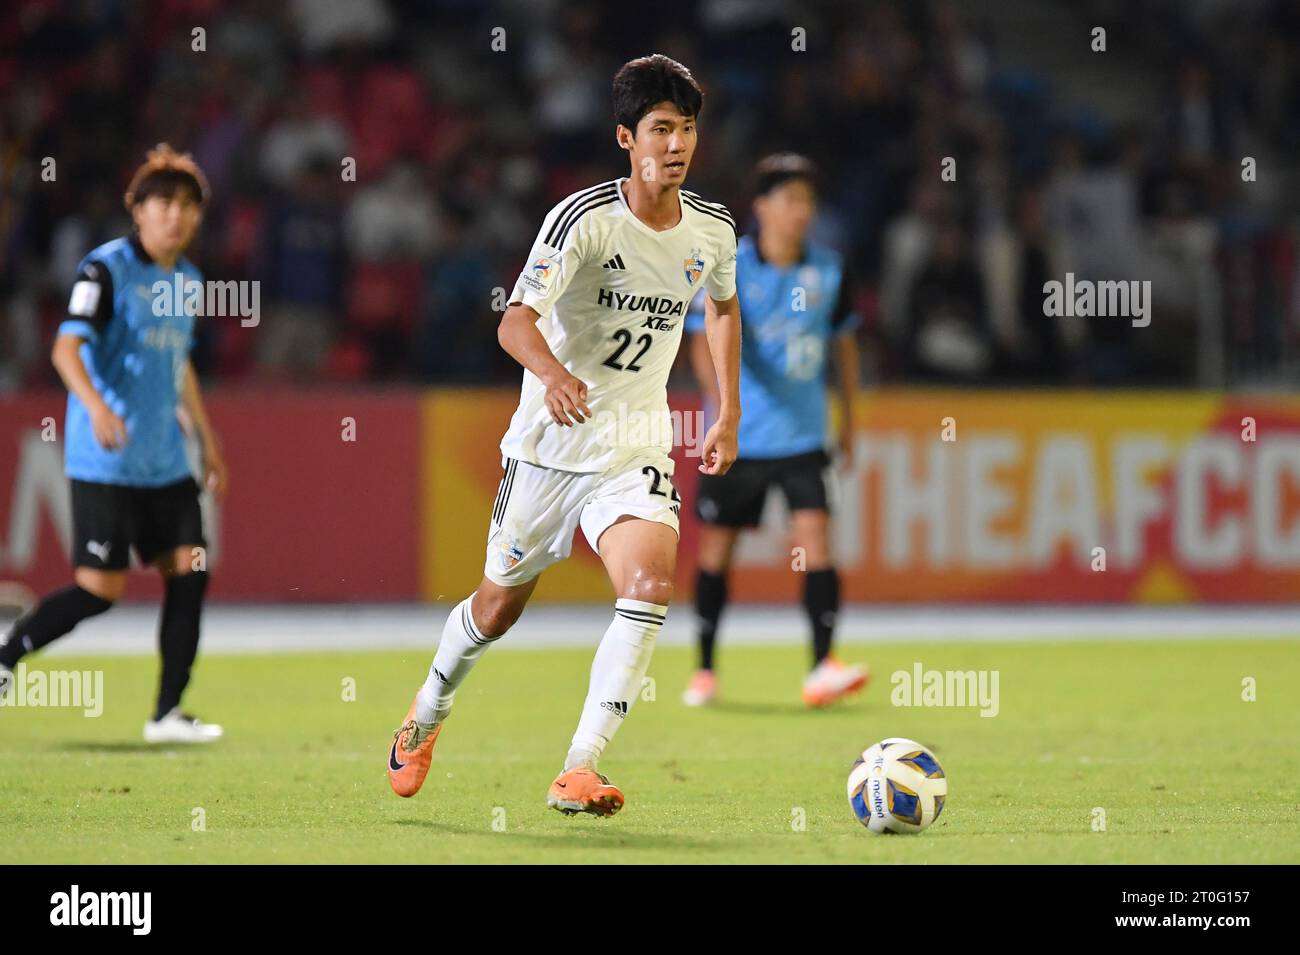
[[716, 546], [108, 587], [653, 589]]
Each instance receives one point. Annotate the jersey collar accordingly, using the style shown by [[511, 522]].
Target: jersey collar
[[140, 253], [622, 199]]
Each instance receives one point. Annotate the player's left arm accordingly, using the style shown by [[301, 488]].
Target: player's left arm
[[848, 365], [216, 476], [722, 330]]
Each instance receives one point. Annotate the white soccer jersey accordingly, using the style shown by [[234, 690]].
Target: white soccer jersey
[[613, 294]]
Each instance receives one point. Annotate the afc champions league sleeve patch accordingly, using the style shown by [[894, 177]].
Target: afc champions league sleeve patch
[[539, 272], [85, 299]]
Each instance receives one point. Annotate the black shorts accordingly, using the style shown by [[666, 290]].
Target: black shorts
[[735, 499], [109, 519]]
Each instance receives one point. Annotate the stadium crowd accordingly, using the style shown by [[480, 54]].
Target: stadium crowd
[[464, 121]]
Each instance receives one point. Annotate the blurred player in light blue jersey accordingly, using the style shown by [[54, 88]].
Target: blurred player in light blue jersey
[[124, 354], [795, 308]]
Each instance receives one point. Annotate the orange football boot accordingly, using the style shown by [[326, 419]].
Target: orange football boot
[[702, 690], [584, 790], [832, 680], [410, 755]]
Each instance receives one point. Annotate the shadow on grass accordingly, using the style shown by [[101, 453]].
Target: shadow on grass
[[121, 746], [575, 838], [764, 709]]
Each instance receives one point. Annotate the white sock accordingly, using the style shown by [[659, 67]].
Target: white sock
[[459, 650], [616, 674]]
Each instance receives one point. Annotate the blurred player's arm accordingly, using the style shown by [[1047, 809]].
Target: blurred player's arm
[[566, 395], [848, 368], [110, 430], [89, 310], [216, 476], [722, 332]]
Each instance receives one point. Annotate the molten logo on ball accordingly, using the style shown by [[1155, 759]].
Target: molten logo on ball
[[897, 786]]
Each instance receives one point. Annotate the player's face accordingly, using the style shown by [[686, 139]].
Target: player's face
[[787, 210], [663, 146], [168, 224]]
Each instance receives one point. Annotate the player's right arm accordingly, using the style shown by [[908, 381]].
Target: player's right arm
[[90, 309], [566, 395], [557, 253]]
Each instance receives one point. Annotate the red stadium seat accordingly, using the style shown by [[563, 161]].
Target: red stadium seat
[[394, 117], [327, 92], [243, 221], [347, 361]]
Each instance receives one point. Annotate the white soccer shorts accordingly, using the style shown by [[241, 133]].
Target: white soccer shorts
[[538, 509]]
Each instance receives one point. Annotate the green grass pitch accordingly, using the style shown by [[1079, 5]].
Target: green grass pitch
[[1156, 734]]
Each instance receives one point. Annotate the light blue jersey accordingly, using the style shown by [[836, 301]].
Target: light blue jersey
[[789, 317], [136, 361]]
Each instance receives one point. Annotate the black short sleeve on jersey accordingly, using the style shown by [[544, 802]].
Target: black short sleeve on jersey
[[92, 295], [843, 313]]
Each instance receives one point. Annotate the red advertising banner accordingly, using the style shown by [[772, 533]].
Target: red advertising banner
[[323, 502], [951, 496]]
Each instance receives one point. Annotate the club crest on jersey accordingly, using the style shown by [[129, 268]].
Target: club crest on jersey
[[693, 267], [511, 554], [538, 275]]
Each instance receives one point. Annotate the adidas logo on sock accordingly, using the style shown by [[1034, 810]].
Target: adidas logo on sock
[[618, 707], [615, 263]]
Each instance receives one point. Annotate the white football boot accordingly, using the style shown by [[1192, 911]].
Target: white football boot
[[177, 727]]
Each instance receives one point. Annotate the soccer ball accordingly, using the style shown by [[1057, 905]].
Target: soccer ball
[[897, 786]]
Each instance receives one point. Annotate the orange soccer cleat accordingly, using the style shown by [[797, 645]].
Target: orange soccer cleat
[[584, 790], [702, 690], [832, 680], [410, 755]]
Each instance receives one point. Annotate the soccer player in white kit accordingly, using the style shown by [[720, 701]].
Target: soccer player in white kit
[[596, 319]]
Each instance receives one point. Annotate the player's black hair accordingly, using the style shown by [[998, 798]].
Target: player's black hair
[[641, 83], [167, 183], [772, 171], [164, 173]]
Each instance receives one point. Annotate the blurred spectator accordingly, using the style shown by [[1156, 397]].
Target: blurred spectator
[[1018, 259], [948, 334], [454, 341], [300, 134], [325, 24], [394, 218], [376, 280], [302, 269], [1197, 128]]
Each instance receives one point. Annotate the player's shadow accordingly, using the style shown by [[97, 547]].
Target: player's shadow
[[762, 709], [589, 836], [116, 746]]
